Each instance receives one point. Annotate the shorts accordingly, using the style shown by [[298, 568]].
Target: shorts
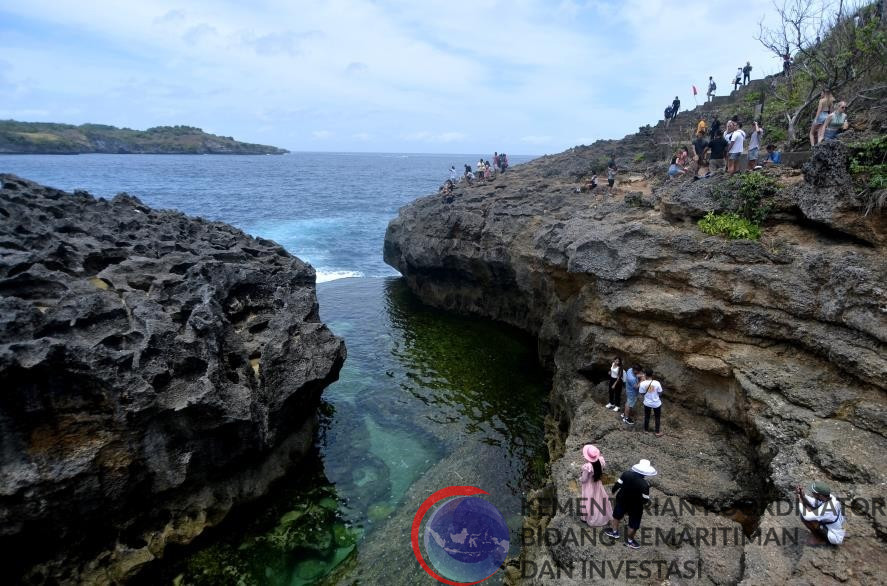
[[631, 396], [820, 120], [735, 156], [753, 154], [830, 134], [716, 164], [634, 517]]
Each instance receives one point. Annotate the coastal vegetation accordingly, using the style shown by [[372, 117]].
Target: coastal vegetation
[[748, 200], [868, 166], [842, 47], [52, 138]]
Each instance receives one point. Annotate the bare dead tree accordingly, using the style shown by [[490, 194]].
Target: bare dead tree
[[832, 45]]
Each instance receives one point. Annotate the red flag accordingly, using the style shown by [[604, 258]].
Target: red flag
[[694, 90]]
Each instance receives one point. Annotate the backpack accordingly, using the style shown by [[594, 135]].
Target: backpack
[[668, 112], [712, 86]]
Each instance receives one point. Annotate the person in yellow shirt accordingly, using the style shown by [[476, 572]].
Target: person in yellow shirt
[[700, 128]]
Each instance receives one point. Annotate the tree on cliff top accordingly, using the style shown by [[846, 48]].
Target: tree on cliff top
[[834, 45]]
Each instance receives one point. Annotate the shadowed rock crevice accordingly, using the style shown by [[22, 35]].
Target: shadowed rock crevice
[[156, 370]]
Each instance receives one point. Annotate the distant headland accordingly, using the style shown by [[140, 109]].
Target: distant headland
[[49, 138]]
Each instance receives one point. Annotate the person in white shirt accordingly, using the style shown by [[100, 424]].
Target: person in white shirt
[[754, 144], [651, 389], [821, 514], [737, 143]]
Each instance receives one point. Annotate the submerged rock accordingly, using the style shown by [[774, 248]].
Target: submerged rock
[[772, 353], [155, 369]]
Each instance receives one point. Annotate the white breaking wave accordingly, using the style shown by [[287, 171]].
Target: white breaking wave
[[324, 276]]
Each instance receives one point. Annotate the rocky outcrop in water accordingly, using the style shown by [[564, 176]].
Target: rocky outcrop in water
[[155, 369], [771, 352]]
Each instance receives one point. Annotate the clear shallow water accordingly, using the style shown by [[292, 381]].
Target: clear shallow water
[[425, 399]]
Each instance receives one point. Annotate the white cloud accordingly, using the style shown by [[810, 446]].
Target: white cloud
[[371, 72], [322, 134]]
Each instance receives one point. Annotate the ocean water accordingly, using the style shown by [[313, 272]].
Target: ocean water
[[425, 400], [329, 209]]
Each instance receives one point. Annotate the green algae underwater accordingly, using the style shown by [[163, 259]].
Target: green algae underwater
[[425, 400]]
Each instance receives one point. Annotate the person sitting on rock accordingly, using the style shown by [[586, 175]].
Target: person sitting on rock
[[632, 493], [468, 175], [834, 123], [774, 157], [821, 514], [594, 507], [675, 169], [447, 188]]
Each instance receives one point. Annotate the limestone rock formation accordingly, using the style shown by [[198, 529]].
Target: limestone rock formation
[[772, 353], [155, 370]]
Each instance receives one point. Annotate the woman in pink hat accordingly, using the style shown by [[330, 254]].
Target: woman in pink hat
[[595, 504]]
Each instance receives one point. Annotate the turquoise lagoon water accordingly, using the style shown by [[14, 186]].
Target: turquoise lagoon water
[[425, 400]]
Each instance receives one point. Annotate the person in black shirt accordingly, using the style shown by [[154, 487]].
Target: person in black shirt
[[631, 492], [700, 146], [675, 106], [715, 127], [717, 149]]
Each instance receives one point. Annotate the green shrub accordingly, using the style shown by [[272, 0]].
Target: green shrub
[[868, 162], [749, 196], [638, 158], [730, 225]]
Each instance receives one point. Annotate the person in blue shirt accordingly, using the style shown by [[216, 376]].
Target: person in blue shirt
[[631, 384], [774, 157]]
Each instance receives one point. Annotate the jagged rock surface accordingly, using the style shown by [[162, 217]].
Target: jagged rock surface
[[772, 352], [155, 370]]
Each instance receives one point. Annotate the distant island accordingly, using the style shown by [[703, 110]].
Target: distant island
[[48, 138]]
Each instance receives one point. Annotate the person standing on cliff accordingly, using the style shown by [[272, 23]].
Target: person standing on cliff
[[738, 79], [652, 391], [712, 86], [746, 73], [632, 493], [631, 383], [611, 174], [615, 388], [675, 107], [754, 145], [737, 143], [717, 149], [594, 507]]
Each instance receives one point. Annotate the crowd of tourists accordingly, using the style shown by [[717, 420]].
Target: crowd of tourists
[[820, 512]]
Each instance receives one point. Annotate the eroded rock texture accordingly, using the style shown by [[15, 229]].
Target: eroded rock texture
[[155, 370], [771, 352]]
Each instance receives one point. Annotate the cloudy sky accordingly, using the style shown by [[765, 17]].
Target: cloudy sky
[[528, 77]]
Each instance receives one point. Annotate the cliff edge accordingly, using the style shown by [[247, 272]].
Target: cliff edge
[[771, 353], [155, 369]]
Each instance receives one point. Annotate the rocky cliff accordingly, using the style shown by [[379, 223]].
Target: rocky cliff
[[771, 353], [155, 370]]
